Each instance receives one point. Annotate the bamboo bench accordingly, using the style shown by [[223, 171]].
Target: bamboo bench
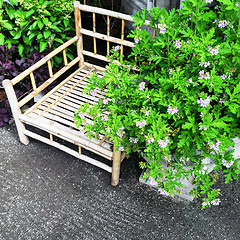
[[54, 113]]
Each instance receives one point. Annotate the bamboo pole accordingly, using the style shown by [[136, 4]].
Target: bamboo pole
[[122, 38], [116, 165], [50, 68], [108, 35], [102, 140], [79, 150], [50, 127], [8, 85], [97, 56], [78, 26], [94, 30], [123, 155], [87, 8], [69, 151], [65, 57], [153, 33], [33, 81], [43, 61], [51, 137], [47, 83], [106, 38]]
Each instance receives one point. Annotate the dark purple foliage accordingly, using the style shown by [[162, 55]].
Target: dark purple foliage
[[11, 65]]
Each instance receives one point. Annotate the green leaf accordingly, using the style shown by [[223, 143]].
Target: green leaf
[[47, 33], [32, 35], [45, 21], [11, 13], [7, 25], [43, 46], [29, 13], [54, 27], [39, 36], [58, 40], [1, 39], [20, 49], [14, 2], [190, 124], [17, 35], [53, 19], [58, 59], [26, 40], [40, 24], [66, 22], [70, 56]]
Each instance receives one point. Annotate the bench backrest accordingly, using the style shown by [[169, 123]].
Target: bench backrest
[[109, 17]]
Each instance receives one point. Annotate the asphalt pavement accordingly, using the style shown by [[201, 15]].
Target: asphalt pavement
[[47, 194]]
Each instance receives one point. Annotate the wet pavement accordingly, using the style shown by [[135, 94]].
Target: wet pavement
[[47, 194]]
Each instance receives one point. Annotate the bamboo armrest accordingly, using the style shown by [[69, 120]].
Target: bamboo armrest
[[52, 77]]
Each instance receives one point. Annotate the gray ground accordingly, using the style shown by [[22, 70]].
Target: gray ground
[[46, 194]]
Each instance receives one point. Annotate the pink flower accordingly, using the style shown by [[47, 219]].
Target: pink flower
[[182, 160], [172, 110], [120, 132], [163, 192], [163, 29], [205, 203], [171, 71], [81, 115], [178, 44], [221, 100], [121, 148], [204, 103], [215, 147], [227, 164], [163, 144], [142, 86], [222, 24], [203, 75], [137, 39], [105, 118], [117, 48], [151, 140], [133, 140], [216, 202], [147, 113], [93, 93], [205, 64], [213, 51], [167, 158], [152, 182], [141, 124], [105, 101]]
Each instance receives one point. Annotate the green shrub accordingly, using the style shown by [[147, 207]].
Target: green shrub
[[42, 24]]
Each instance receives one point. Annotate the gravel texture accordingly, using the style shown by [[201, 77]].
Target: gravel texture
[[47, 194]]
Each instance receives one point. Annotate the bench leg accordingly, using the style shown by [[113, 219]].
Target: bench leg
[[15, 110], [116, 166]]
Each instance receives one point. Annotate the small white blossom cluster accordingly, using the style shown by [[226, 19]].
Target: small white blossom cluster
[[227, 164], [133, 140], [215, 202]]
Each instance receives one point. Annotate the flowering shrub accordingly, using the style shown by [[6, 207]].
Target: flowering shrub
[[183, 105]]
